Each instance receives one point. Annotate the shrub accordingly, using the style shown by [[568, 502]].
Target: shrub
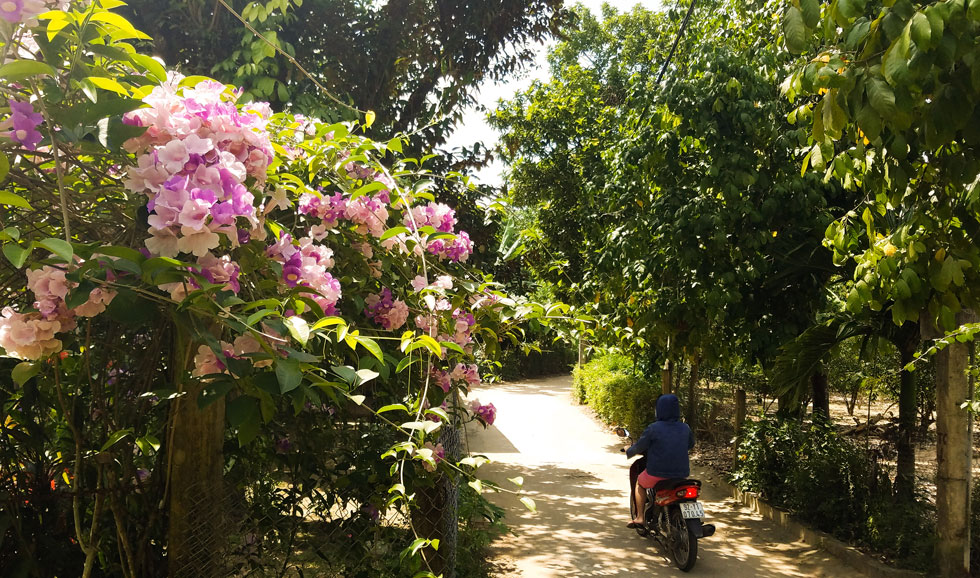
[[619, 396], [541, 358], [832, 484]]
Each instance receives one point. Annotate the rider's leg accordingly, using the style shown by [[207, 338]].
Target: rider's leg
[[640, 496]]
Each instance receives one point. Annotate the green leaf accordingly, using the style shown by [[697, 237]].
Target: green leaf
[[56, 25], [16, 254], [371, 345], [80, 294], [6, 197], [289, 374], [24, 69], [881, 97], [58, 247], [394, 231], [116, 437], [811, 12], [921, 31], [154, 69], [327, 322], [298, 328], [393, 407], [124, 29], [368, 188], [894, 63], [106, 83], [5, 168], [529, 504], [24, 371], [794, 29]]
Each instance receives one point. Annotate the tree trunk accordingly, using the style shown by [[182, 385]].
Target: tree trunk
[[692, 395], [435, 515], [908, 399], [954, 453], [739, 420], [195, 534], [666, 377], [821, 397]]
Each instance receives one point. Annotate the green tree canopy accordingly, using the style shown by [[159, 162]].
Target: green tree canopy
[[415, 63]]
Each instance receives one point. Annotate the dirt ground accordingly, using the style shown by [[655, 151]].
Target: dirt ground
[[573, 469]]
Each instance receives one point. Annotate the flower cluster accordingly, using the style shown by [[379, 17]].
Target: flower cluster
[[194, 159], [486, 414], [443, 219], [368, 213], [385, 310], [305, 264], [32, 335], [431, 455], [457, 249], [23, 120], [207, 363], [29, 336], [462, 373]]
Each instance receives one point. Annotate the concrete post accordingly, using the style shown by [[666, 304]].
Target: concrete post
[[954, 453]]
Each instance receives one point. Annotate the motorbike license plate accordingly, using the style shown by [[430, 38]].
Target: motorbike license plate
[[692, 510]]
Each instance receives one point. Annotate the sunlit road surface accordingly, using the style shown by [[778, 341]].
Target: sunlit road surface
[[575, 473]]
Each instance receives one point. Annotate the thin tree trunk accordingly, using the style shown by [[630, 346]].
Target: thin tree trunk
[[954, 454], [908, 399], [821, 397], [692, 394], [739, 420], [666, 377]]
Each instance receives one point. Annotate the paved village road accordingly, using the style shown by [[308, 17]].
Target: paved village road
[[574, 471]]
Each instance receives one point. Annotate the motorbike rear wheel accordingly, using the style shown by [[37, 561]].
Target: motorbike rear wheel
[[681, 541]]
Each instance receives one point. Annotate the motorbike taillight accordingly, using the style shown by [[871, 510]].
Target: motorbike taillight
[[688, 492]]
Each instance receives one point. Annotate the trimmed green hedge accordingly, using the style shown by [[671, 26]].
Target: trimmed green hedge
[[835, 485], [619, 396]]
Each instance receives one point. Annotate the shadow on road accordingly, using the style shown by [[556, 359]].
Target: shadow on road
[[575, 473]]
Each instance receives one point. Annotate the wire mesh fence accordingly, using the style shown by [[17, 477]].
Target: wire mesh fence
[[292, 533]]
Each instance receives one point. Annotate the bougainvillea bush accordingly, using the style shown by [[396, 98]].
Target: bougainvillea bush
[[166, 244]]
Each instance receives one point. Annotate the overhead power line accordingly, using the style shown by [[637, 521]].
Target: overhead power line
[[677, 39]]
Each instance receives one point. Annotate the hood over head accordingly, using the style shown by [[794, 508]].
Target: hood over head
[[668, 408]]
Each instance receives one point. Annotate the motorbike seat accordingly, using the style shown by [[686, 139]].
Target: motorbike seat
[[672, 483]]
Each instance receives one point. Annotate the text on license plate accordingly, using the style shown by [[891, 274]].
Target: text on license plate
[[692, 510]]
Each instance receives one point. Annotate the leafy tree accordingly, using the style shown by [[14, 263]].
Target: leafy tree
[[890, 92], [415, 63], [679, 208]]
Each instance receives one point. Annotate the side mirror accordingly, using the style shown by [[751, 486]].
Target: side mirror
[[622, 432]]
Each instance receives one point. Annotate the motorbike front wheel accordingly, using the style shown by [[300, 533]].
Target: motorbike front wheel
[[681, 542]]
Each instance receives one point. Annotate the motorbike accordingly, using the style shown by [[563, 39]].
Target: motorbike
[[674, 517]]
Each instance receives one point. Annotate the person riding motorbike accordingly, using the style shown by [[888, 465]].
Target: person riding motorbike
[[665, 443]]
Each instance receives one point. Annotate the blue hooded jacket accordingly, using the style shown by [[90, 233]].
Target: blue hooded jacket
[[666, 441]]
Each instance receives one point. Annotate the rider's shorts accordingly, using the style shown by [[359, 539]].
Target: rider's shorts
[[647, 481]]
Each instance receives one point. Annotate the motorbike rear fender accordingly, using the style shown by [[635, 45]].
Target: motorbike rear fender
[[695, 525]]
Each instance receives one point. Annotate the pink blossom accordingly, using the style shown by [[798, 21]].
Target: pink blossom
[[386, 311], [96, 303], [28, 336], [206, 362], [486, 414], [197, 241], [419, 283]]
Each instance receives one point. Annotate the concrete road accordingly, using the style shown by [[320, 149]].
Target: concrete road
[[574, 471]]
